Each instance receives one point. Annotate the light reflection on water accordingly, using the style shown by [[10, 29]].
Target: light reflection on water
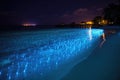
[[38, 61], [104, 39]]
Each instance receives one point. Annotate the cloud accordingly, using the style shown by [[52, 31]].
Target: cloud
[[99, 9], [81, 14], [80, 11]]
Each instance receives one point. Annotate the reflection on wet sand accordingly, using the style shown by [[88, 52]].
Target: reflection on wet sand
[[104, 39], [106, 34]]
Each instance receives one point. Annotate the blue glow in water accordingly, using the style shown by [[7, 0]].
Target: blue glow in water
[[90, 33], [0, 73], [39, 53]]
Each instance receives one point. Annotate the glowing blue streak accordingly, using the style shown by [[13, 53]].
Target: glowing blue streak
[[90, 33]]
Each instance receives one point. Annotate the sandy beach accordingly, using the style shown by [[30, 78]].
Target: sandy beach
[[102, 64]]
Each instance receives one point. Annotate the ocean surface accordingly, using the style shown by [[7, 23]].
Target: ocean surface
[[47, 54]]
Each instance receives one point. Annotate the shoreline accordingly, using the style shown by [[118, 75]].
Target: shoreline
[[30, 28], [102, 64]]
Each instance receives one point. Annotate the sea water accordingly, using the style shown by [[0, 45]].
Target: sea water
[[44, 55]]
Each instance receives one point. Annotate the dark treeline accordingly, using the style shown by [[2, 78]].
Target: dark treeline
[[110, 16], [111, 13]]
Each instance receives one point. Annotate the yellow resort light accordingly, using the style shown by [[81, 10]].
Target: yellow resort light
[[89, 23]]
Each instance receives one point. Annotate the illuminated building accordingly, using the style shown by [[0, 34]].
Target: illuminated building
[[111, 22], [103, 22]]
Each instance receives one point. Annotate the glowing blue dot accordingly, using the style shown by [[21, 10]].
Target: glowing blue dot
[[17, 73], [48, 60], [9, 77], [24, 71], [0, 73], [56, 63]]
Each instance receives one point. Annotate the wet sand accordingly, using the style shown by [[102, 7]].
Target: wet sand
[[102, 64]]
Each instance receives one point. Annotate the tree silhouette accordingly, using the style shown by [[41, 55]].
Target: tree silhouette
[[112, 13], [97, 20]]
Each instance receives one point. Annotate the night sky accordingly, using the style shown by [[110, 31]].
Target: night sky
[[50, 11]]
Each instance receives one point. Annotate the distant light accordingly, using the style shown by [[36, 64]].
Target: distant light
[[103, 22], [89, 22], [82, 23], [111, 22], [27, 24]]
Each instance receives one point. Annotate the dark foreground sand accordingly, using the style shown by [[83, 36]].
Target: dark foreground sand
[[102, 64]]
